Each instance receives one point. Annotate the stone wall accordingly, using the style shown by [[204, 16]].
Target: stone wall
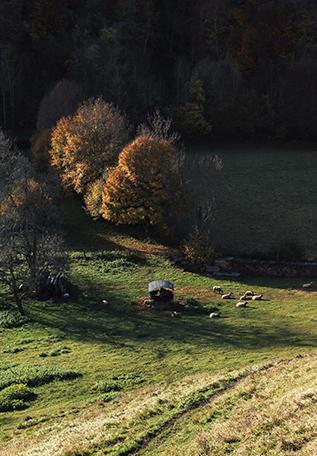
[[268, 268]]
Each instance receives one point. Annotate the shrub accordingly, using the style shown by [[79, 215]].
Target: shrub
[[198, 248], [106, 387], [13, 350], [144, 189], [15, 397], [118, 383], [10, 319], [34, 375], [83, 146]]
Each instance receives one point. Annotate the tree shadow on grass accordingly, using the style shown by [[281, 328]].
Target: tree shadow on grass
[[121, 327]]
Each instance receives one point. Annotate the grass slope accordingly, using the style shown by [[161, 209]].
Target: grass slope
[[267, 413], [117, 380]]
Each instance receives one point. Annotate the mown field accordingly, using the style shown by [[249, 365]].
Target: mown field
[[262, 197], [98, 379]]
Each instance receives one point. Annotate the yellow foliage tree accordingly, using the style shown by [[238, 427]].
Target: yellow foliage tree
[[145, 186], [83, 146]]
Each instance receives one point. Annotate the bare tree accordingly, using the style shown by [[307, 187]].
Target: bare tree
[[159, 127], [30, 242]]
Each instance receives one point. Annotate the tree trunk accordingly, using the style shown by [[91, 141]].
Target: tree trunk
[[16, 295]]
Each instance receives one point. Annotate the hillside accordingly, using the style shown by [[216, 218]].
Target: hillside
[[121, 380]]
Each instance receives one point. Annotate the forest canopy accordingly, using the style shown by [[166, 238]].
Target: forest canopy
[[229, 68]]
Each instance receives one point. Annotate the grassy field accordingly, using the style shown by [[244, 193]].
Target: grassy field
[[84, 378], [263, 197]]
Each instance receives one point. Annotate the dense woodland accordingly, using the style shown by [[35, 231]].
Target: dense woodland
[[233, 69]]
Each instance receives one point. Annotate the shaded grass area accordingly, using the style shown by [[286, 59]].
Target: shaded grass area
[[262, 198]]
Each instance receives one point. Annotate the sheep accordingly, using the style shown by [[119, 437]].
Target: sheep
[[227, 295], [245, 297], [175, 314], [217, 289], [242, 304], [307, 285], [257, 297], [105, 302], [66, 295], [214, 315], [248, 292]]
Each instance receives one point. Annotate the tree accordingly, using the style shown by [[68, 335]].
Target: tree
[[194, 122], [30, 242], [8, 75], [93, 197], [145, 187], [40, 148], [86, 144], [61, 101], [158, 127]]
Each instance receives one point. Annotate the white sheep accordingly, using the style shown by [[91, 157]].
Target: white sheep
[[175, 314], [248, 292], [105, 302], [217, 289], [245, 297], [307, 285], [214, 315], [257, 297], [227, 295], [242, 304]]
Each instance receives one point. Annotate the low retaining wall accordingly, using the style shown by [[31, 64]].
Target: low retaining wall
[[268, 268]]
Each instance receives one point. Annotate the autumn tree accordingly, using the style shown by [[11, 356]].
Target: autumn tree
[[83, 146], [144, 189], [262, 34]]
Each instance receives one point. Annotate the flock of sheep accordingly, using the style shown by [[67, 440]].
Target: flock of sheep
[[243, 301]]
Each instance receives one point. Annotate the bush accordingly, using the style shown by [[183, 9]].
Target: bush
[[144, 189], [10, 319], [119, 382], [106, 387], [15, 397], [34, 375], [198, 248], [83, 146]]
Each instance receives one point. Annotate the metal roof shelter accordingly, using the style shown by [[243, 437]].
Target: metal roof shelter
[[160, 284]]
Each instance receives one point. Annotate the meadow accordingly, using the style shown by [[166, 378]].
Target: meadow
[[262, 198], [86, 378]]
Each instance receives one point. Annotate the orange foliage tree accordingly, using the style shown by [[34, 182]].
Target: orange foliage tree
[[145, 187], [83, 146]]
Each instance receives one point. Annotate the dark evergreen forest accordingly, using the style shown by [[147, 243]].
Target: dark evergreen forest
[[222, 68]]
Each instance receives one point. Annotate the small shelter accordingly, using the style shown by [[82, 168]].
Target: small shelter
[[161, 290]]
